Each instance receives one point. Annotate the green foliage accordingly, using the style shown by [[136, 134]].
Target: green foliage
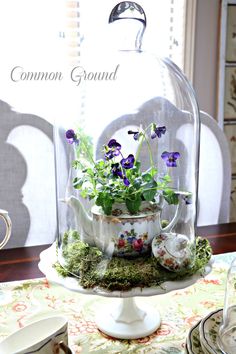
[[134, 204], [97, 180], [170, 196], [203, 253], [149, 190], [105, 200]]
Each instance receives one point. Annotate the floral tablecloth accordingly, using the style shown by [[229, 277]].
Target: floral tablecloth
[[23, 302]]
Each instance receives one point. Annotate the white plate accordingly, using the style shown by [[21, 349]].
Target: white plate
[[48, 258], [208, 329], [193, 343]]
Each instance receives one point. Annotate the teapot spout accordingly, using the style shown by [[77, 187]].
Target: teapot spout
[[83, 220]]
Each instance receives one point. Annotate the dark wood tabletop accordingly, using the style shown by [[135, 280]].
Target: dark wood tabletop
[[22, 263]]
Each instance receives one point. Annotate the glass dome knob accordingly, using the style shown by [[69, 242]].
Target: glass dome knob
[[134, 26], [128, 9]]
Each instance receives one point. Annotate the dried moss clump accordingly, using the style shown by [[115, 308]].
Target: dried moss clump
[[79, 256], [94, 269]]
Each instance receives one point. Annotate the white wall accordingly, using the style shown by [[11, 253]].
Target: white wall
[[206, 47]]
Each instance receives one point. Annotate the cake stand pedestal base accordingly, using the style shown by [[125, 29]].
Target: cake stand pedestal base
[[128, 321]]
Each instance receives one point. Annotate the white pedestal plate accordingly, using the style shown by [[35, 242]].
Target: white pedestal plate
[[128, 320]]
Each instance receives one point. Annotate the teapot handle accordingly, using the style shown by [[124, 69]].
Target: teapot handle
[[6, 218], [175, 219]]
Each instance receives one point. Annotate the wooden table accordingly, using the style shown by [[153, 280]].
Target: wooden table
[[22, 263]]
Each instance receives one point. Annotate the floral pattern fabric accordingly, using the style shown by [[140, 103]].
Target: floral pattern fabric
[[23, 302]]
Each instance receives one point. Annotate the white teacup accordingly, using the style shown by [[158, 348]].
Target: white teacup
[[6, 218], [47, 336]]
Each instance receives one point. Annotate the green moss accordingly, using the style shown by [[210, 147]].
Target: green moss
[[60, 270], [96, 270]]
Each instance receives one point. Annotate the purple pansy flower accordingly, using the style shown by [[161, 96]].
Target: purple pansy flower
[[157, 131], [135, 134], [70, 134], [116, 170], [126, 181], [71, 137], [188, 199], [114, 147], [170, 158], [109, 155], [128, 162]]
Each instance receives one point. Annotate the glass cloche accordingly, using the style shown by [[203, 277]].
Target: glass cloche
[[127, 168]]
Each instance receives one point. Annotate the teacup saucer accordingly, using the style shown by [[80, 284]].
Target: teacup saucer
[[193, 344], [208, 331]]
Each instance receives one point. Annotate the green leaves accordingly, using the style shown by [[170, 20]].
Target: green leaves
[[149, 185], [105, 201], [77, 164], [153, 171], [147, 177], [78, 183], [166, 179], [150, 190], [133, 205], [170, 196]]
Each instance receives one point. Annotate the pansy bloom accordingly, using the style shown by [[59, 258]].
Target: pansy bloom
[[113, 149], [128, 162], [109, 155], [134, 133], [188, 199], [126, 181], [71, 137], [157, 131], [170, 158], [116, 171]]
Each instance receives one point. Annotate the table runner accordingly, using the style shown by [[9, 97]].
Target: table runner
[[23, 302]]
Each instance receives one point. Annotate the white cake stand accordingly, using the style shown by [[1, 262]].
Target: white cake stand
[[128, 320]]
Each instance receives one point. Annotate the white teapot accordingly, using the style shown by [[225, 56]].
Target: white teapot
[[122, 234]]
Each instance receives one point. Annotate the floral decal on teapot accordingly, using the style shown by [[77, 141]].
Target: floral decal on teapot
[[131, 244]]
